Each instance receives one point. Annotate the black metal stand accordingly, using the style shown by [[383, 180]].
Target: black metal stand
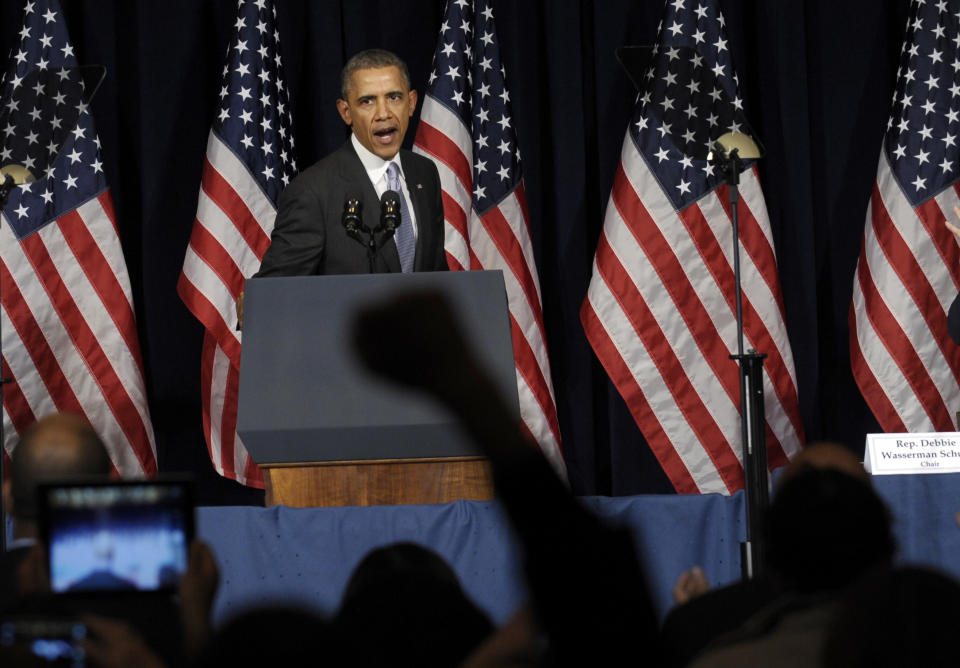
[[367, 238], [754, 444], [752, 412], [371, 243]]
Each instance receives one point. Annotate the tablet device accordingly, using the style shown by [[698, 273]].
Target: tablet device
[[116, 536]]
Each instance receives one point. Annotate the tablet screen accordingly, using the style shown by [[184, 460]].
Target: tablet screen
[[122, 536]]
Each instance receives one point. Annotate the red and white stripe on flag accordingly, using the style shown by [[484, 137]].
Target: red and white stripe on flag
[[907, 367], [660, 315], [903, 359], [69, 333], [499, 239], [230, 235], [660, 311], [465, 127], [248, 163]]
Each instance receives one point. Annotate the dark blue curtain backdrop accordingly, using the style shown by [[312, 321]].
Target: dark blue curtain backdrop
[[817, 77]]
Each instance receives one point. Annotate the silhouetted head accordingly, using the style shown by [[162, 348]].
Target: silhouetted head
[[57, 447], [826, 455], [824, 528], [404, 606]]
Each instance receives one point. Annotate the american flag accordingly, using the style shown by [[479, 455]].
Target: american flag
[[660, 310], [69, 336], [908, 274], [249, 161], [466, 127]]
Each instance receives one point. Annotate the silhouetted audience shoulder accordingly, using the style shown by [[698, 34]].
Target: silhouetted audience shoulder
[[896, 618], [587, 588], [404, 606], [689, 628], [273, 636], [824, 530], [56, 447]]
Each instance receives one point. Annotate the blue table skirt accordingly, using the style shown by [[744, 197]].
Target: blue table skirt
[[305, 556]]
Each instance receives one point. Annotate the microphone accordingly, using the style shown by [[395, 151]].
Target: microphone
[[390, 211], [352, 215]]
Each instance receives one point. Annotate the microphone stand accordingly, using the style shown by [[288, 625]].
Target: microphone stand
[[728, 152], [352, 221], [356, 230], [371, 243], [752, 412]]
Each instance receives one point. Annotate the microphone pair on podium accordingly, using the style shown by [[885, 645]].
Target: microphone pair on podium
[[389, 216]]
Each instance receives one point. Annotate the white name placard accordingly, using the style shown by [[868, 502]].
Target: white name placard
[[935, 452]]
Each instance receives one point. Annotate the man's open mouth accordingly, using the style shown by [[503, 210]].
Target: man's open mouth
[[386, 135]]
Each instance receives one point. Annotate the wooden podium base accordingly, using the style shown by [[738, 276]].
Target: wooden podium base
[[378, 482]]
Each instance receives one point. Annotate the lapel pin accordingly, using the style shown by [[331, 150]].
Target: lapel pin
[[419, 186]]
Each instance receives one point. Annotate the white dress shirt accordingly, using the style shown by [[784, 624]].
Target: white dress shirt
[[377, 171]]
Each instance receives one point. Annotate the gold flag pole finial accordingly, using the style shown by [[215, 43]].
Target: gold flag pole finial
[[18, 173]]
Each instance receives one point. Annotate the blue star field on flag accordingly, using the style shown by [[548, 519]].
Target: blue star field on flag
[[690, 98], [45, 126], [921, 141], [469, 79], [255, 117]]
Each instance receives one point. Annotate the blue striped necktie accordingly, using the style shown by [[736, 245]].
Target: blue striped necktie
[[404, 236]]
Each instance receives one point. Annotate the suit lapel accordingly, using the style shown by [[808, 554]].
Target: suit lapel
[[358, 182]]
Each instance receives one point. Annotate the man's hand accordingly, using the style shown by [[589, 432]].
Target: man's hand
[[950, 226], [198, 586], [414, 339], [689, 585], [516, 643], [240, 310], [32, 574], [113, 643]]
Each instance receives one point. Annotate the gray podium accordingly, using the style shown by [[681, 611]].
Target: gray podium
[[326, 431]]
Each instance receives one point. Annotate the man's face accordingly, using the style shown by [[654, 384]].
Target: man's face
[[378, 109]]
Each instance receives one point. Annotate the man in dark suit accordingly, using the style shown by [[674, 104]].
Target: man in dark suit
[[953, 320], [309, 238], [953, 315]]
